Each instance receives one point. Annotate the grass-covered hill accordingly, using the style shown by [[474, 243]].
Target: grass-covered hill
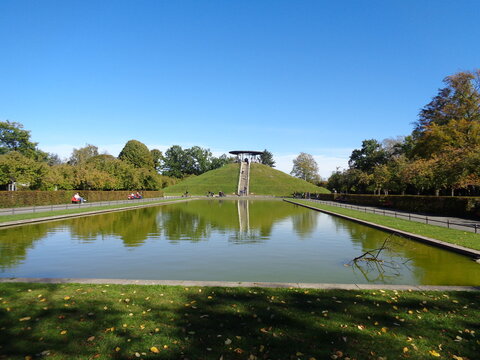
[[223, 179], [264, 180]]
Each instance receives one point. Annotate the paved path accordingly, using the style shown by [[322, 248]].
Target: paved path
[[445, 221], [45, 208], [243, 180]]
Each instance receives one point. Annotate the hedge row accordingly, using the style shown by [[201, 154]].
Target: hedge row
[[439, 205], [36, 198]]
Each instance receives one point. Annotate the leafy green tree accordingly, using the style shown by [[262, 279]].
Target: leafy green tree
[[157, 158], [87, 177], [218, 162], [53, 159], [305, 167], [15, 167], [175, 162], [82, 155], [14, 138], [198, 160], [266, 158], [59, 177], [137, 154], [381, 178], [370, 155]]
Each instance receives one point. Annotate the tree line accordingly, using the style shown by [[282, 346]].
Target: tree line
[[23, 165], [440, 156]]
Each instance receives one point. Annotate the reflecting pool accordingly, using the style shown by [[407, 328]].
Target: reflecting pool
[[231, 240]]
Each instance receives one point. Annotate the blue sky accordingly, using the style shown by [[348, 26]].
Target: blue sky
[[289, 76]]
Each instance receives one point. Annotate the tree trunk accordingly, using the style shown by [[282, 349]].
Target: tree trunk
[[453, 192], [437, 192]]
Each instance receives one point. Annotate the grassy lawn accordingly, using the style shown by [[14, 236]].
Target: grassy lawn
[[458, 237], [74, 321], [6, 218]]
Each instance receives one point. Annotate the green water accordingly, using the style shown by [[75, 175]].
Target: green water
[[225, 240]]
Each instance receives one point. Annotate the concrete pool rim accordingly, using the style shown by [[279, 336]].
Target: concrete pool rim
[[243, 284]]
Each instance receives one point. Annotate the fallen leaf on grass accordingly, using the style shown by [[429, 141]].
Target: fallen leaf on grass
[[25, 318], [63, 332], [434, 353], [91, 338], [153, 349]]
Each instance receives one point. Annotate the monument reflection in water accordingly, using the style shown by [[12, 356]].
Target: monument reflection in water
[[244, 240]]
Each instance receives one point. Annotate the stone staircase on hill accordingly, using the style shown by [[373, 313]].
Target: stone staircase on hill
[[244, 179]]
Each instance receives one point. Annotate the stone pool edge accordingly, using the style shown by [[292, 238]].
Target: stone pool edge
[[87, 213], [233, 284], [475, 254]]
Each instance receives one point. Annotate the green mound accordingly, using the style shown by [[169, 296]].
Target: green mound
[[264, 180], [223, 179]]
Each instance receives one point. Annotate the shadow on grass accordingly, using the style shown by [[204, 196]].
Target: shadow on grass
[[152, 322]]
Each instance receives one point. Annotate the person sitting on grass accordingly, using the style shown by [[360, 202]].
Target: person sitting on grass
[[138, 195]]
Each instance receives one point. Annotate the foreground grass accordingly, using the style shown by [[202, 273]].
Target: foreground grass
[[265, 180], [453, 236], [74, 321], [79, 210]]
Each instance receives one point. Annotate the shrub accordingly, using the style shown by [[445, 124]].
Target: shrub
[[440, 205], [38, 198]]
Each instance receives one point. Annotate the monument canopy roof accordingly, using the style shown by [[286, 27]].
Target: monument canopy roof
[[250, 152]]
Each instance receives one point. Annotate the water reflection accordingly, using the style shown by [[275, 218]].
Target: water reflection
[[134, 227], [407, 256], [224, 240], [15, 242]]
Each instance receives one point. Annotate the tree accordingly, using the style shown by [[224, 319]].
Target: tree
[[266, 158], [370, 155], [137, 154], [14, 138], [82, 155], [218, 162], [175, 162], [157, 158], [305, 167], [198, 160], [59, 177], [178, 162], [381, 178], [15, 167], [419, 174], [53, 159], [459, 100], [456, 134]]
